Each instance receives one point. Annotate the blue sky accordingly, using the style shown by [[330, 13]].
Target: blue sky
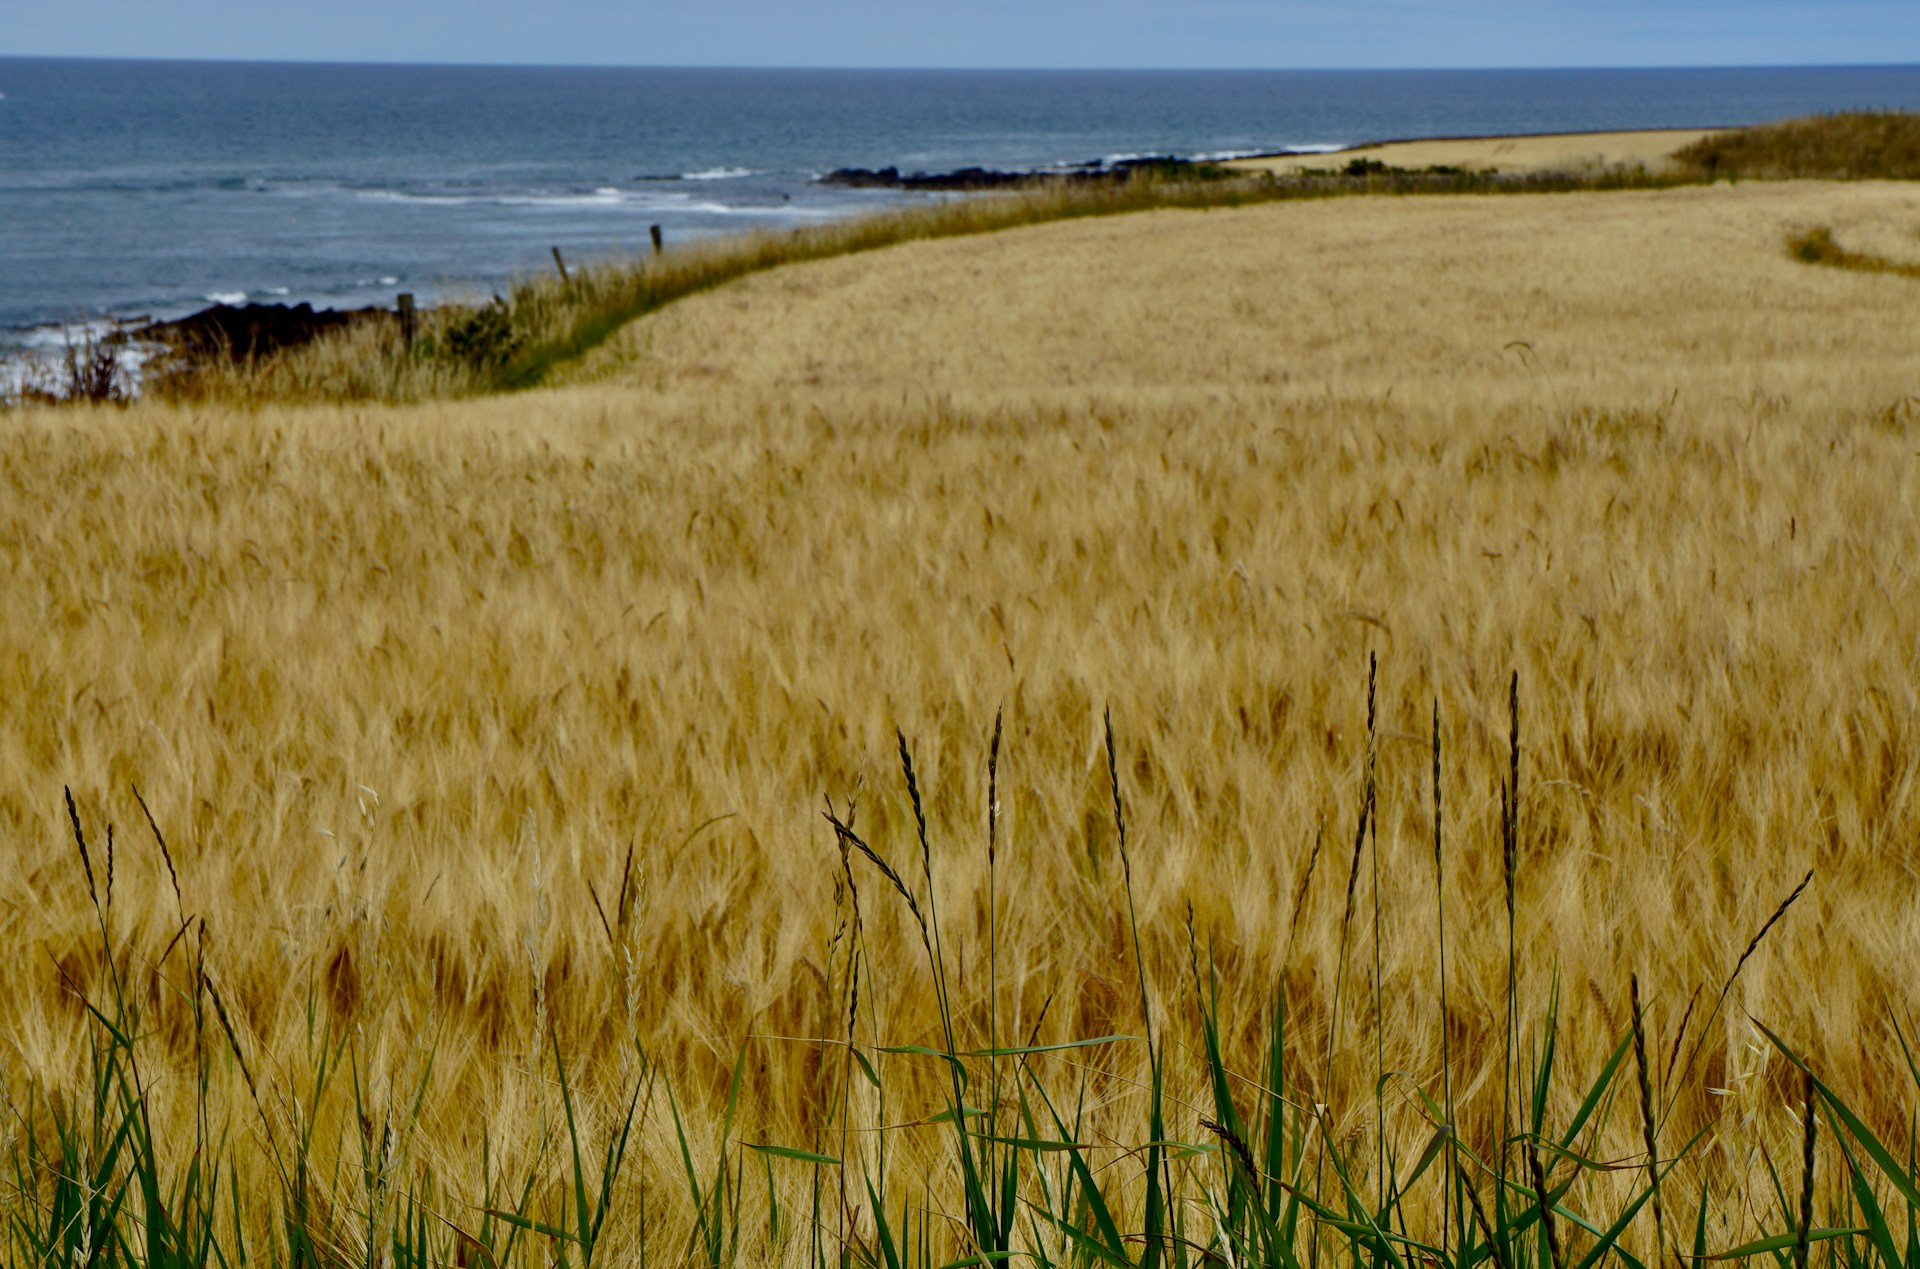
[[981, 33]]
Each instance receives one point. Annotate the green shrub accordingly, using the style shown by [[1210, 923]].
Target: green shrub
[[484, 338]]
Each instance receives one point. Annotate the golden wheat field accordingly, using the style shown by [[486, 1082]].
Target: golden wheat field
[[403, 687]]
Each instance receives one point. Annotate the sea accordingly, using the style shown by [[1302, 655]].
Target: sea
[[150, 189]]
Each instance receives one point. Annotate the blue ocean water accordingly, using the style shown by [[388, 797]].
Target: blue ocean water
[[130, 188]]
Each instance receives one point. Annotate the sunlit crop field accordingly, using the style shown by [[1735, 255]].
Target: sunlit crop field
[[483, 731]]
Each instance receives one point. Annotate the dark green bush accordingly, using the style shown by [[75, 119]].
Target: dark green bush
[[484, 338]]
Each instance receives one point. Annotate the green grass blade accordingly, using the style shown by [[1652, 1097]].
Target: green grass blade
[[530, 1225], [615, 1159], [1156, 1213], [1020, 1051], [1275, 1144], [1035, 1145], [1897, 1176], [583, 1215], [1780, 1242], [1089, 1244], [1113, 1247], [789, 1152], [1876, 1222], [1700, 1221], [1594, 1094], [882, 1229], [1279, 1249], [1543, 1070]]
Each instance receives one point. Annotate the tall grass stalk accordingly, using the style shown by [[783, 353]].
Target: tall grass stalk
[[91, 1179], [1649, 1123], [1509, 869], [1382, 1174], [1156, 1212], [1002, 1163], [1451, 1211]]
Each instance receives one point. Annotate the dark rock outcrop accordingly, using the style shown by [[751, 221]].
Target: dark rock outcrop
[[968, 179], [251, 330]]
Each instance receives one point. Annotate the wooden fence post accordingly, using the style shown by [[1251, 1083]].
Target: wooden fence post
[[564, 279], [406, 319], [658, 243]]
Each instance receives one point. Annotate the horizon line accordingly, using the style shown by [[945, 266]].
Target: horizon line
[[410, 63]]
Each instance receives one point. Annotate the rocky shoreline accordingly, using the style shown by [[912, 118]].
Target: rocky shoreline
[[975, 179], [245, 332], [113, 359], [241, 332]]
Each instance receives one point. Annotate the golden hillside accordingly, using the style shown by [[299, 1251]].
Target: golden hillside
[[399, 684]]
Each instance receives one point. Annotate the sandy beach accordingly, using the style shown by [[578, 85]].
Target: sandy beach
[[1552, 152]]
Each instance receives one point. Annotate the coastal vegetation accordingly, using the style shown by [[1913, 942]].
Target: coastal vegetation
[[522, 338], [1818, 246], [517, 340], [1504, 613], [1867, 145]]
